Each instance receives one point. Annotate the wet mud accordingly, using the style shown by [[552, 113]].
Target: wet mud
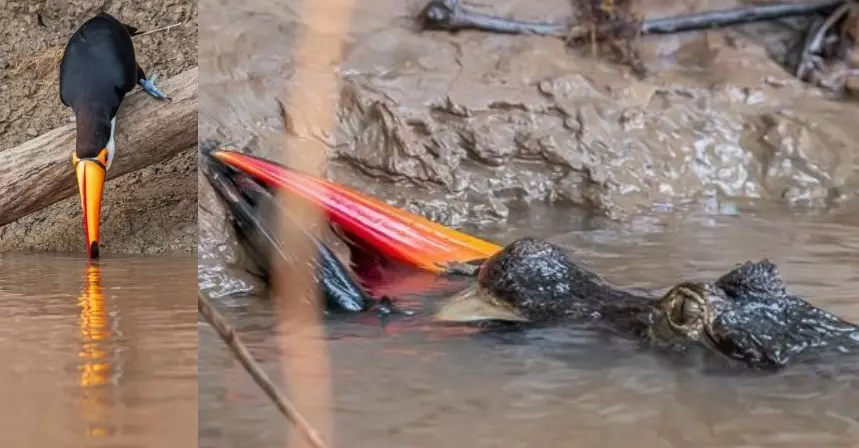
[[148, 211], [459, 127]]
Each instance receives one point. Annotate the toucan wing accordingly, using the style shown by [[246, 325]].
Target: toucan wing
[[250, 205]]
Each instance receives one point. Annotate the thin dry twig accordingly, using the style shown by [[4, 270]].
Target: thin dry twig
[[240, 350], [163, 28], [814, 41], [41, 64]]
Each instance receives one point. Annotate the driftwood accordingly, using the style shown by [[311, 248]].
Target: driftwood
[[737, 16], [39, 172], [240, 350], [449, 15]]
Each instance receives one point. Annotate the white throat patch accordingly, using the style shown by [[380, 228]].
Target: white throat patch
[[111, 146]]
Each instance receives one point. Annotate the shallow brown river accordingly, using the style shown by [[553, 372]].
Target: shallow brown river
[[478, 122], [97, 356], [566, 387]]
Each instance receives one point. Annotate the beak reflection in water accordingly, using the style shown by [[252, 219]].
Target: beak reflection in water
[[94, 368], [477, 304], [90, 175]]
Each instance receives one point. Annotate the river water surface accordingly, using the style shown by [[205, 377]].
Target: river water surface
[[97, 355], [410, 385]]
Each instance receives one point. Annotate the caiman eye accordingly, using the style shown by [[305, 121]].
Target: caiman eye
[[690, 311], [684, 306]]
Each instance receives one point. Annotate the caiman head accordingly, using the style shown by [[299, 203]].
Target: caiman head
[[748, 315], [534, 281]]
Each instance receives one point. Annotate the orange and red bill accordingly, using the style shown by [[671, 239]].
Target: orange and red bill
[[90, 173], [393, 232]]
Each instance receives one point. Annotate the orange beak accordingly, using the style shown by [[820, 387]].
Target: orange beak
[[393, 232], [90, 174]]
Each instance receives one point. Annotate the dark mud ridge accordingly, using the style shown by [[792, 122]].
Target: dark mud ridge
[[477, 123]]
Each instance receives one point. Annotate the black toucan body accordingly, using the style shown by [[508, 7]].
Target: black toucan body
[[253, 208], [376, 233], [97, 70]]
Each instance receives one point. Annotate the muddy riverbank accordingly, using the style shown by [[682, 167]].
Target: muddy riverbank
[[466, 124], [149, 211]]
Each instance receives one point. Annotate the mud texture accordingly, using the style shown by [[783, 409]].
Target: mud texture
[[459, 127], [148, 211]]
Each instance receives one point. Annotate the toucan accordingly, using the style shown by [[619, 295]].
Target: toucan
[[403, 244], [252, 208], [97, 70], [392, 232]]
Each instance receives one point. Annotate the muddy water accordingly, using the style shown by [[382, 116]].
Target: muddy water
[[568, 387], [720, 156], [97, 356]]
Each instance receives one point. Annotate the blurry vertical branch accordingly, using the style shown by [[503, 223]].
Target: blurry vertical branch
[[301, 335]]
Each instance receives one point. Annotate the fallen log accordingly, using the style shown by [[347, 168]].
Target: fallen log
[[39, 172]]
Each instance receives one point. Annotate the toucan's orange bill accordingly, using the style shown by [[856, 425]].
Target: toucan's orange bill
[[393, 232], [90, 175]]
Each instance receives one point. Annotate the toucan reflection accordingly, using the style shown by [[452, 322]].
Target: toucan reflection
[[94, 366]]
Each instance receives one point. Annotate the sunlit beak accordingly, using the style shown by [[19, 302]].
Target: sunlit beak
[[475, 304], [392, 232], [90, 174]]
